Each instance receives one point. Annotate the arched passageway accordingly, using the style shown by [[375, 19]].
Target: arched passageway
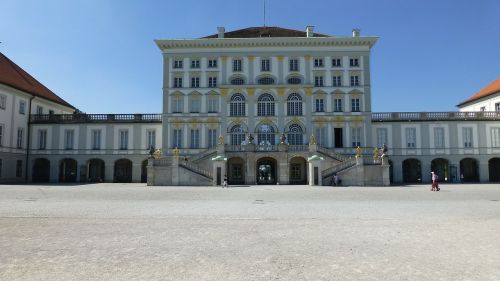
[[266, 171], [412, 171], [440, 166], [469, 169], [123, 171], [494, 169], [298, 170], [68, 170], [144, 171], [95, 170], [235, 170]]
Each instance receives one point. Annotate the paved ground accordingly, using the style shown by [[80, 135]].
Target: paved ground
[[134, 232]]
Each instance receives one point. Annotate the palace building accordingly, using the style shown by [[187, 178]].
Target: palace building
[[260, 105]]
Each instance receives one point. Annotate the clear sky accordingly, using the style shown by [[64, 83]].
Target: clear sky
[[100, 56]]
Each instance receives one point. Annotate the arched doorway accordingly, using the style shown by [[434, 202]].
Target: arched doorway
[[440, 166], [144, 171], [266, 171], [68, 170], [494, 169], [469, 169], [123, 171], [298, 170], [95, 170], [236, 171], [41, 170], [412, 171]]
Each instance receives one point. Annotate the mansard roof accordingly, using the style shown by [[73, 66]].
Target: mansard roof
[[265, 31], [14, 76], [492, 88]]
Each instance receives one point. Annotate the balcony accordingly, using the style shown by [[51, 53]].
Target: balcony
[[435, 116], [94, 118]]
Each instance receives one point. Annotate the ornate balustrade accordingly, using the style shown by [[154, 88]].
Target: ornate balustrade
[[435, 116], [95, 118]]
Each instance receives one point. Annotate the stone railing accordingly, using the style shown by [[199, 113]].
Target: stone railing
[[202, 155], [163, 162], [196, 169], [297, 148], [434, 116], [95, 118], [339, 167], [332, 154]]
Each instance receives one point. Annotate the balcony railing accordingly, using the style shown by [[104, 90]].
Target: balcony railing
[[95, 118], [435, 116]]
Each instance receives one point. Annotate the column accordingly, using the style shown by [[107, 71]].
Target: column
[[136, 172], [109, 172]]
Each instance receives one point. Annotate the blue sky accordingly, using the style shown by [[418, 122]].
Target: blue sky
[[100, 56]]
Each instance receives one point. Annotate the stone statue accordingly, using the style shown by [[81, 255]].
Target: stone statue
[[375, 154], [176, 152], [157, 154], [358, 151], [384, 150], [312, 139], [250, 139], [283, 138], [221, 140], [151, 151]]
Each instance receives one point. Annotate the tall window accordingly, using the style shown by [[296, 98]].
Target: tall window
[[337, 81], [356, 137], [177, 82], [69, 139], [495, 137], [353, 62], [237, 135], [294, 105], [195, 63], [19, 168], [177, 63], [212, 63], [497, 106], [439, 137], [39, 110], [213, 104], [151, 139], [411, 137], [318, 62], [42, 139], [212, 82], [467, 136], [266, 135], [1, 134], [354, 80], [195, 138], [237, 105], [212, 138], [177, 104], [3, 101], [321, 136], [265, 105], [123, 139], [318, 81], [355, 105], [22, 107], [20, 137], [295, 135], [177, 138], [195, 106], [265, 65], [294, 64], [237, 65], [319, 105], [381, 136], [96, 139], [337, 105], [336, 62], [195, 82]]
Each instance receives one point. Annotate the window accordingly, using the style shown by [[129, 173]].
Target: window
[[237, 81], [212, 82], [266, 135], [438, 137], [339, 137], [42, 139], [195, 82], [151, 139], [354, 62], [1, 134], [318, 81], [294, 105], [212, 138], [467, 136], [20, 135], [237, 135], [295, 135], [177, 138], [195, 138], [212, 63], [195, 106], [354, 80], [294, 64], [495, 137], [213, 104], [22, 107], [321, 137], [337, 105], [177, 104], [39, 110], [123, 139], [69, 137], [318, 62], [96, 139], [237, 65], [356, 137], [195, 63], [177, 63], [177, 82], [265, 65], [3, 101], [19, 168], [337, 81], [381, 136], [336, 62], [265, 105], [265, 81], [319, 105], [411, 137], [237, 105], [355, 105], [294, 80], [497, 106]]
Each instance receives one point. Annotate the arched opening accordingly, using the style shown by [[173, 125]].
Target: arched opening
[[236, 171], [41, 170], [237, 134], [294, 105], [265, 105], [237, 105], [144, 171], [494, 169], [123, 171], [95, 170], [266, 134], [266, 171], [298, 170], [412, 171], [469, 169], [68, 170], [295, 134], [440, 167]]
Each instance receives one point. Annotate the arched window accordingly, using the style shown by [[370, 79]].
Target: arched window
[[237, 135], [237, 81], [237, 105], [294, 80], [265, 81], [265, 105], [294, 105], [266, 135], [295, 135]]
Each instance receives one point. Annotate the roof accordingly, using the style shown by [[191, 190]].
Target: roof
[[265, 31], [14, 76], [492, 88]]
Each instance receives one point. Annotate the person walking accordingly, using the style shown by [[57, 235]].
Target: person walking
[[435, 185]]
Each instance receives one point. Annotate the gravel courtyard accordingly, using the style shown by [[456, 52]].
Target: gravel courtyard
[[135, 232]]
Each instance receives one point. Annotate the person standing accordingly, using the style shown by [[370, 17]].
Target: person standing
[[435, 186]]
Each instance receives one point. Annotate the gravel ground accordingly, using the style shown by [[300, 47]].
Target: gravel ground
[[134, 232]]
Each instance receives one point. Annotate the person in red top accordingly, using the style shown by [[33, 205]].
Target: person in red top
[[435, 185]]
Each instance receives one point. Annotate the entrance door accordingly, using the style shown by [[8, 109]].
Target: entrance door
[[266, 173]]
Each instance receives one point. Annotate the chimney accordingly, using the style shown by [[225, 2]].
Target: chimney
[[220, 31], [310, 31], [356, 32]]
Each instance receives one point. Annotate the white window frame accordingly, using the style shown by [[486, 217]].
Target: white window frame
[[293, 64], [319, 105], [337, 105], [150, 138], [2, 132], [355, 105], [337, 81], [212, 104], [212, 63], [177, 104], [194, 138], [212, 138], [495, 137], [69, 139], [96, 139], [468, 137], [22, 107], [237, 65], [212, 81], [265, 65], [178, 64], [3, 101], [20, 138], [439, 137], [318, 81], [39, 110], [123, 139], [382, 136], [318, 62], [177, 138], [42, 139], [411, 137], [195, 63]]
